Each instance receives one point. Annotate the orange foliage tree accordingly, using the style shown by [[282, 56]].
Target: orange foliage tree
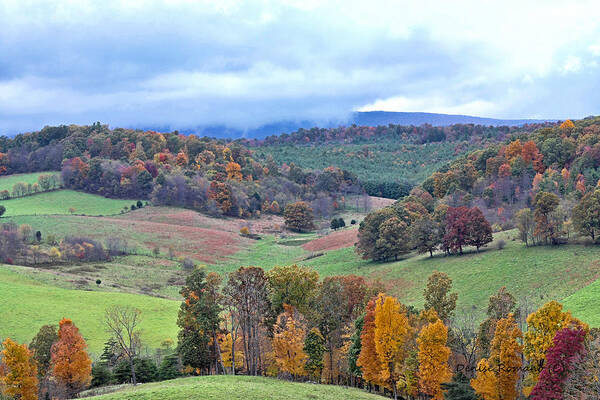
[[71, 365], [433, 359], [367, 359], [19, 372]]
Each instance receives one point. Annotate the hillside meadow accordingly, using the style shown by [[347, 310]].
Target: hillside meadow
[[28, 303], [62, 201], [7, 182], [235, 388]]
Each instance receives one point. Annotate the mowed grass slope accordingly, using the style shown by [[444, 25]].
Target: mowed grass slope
[[60, 201], [235, 388], [26, 304], [7, 181]]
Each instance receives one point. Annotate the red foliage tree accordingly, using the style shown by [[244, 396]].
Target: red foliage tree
[[466, 227], [568, 344]]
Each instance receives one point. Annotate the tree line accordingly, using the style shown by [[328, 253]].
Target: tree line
[[290, 324]]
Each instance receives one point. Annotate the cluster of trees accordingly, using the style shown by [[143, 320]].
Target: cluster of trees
[[55, 365], [23, 245], [503, 178], [45, 182], [210, 175], [415, 222], [289, 323], [338, 223], [344, 330]]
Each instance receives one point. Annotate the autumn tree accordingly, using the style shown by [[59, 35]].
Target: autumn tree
[[586, 214], [368, 360], [545, 227], [247, 293], [122, 323], [425, 234], [18, 374], [234, 171], [438, 297], [566, 346], [71, 365], [391, 330], [198, 321], [231, 354], [433, 359], [294, 285], [542, 326], [288, 342], [498, 375], [299, 216], [500, 305], [314, 347], [464, 227]]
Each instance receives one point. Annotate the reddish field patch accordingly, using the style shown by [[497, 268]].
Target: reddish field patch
[[333, 241], [182, 217], [380, 202], [202, 244]]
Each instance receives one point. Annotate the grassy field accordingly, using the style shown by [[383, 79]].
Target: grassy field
[[28, 302], [235, 388], [7, 181], [59, 202]]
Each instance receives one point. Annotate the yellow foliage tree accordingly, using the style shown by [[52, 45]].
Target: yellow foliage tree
[[542, 326], [234, 171], [433, 359], [226, 346], [288, 342], [19, 375], [391, 331], [514, 149], [568, 124], [497, 376]]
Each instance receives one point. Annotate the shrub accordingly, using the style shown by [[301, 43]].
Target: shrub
[[139, 204], [38, 236], [98, 282], [156, 251], [2, 210], [245, 231], [116, 246], [188, 264], [353, 222], [501, 244]]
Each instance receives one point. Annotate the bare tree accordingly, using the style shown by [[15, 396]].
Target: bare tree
[[463, 338], [122, 322]]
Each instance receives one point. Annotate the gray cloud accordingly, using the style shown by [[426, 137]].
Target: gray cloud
[[187, 63]]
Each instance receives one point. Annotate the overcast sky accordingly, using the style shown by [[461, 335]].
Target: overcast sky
[[243, 64]]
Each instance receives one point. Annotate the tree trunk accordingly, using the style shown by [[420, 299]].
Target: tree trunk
[[132, 365]]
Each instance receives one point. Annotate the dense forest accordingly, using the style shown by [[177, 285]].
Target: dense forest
[[545, 184], [409, 153], [209, 175]]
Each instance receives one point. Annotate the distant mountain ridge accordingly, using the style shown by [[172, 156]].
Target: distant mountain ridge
[[368, 118]]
